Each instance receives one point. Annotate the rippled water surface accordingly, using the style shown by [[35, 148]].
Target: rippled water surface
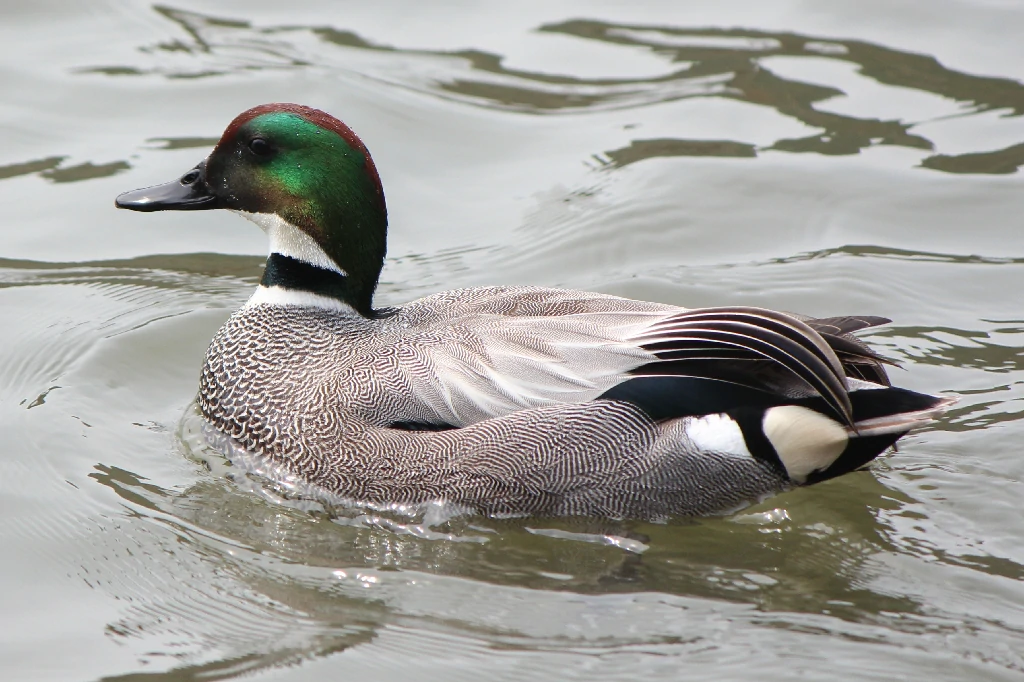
[[857, 157]]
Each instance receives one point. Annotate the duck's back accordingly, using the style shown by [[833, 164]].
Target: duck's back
[[450, 359]]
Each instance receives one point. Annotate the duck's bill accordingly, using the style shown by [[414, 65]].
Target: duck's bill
[[188, 193]]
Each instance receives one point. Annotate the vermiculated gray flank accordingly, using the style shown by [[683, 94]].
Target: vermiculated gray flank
[[317, 391]]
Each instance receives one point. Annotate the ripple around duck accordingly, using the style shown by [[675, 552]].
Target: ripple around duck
[[384, 611], [214, 570], [780, 165], [696, 566], [112, 298]]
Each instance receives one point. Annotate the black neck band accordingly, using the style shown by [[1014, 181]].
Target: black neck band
[[292, 273]]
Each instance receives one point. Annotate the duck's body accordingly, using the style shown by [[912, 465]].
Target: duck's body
[[460, 397], [509, 400]]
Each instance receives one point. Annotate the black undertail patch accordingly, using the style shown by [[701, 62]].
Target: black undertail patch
[[751, 423], [671, 397], [663, 398], [858, 453], [871, 403]]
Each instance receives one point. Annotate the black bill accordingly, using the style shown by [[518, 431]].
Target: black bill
[[188, 193]]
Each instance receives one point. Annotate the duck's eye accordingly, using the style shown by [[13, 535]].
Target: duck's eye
[[259, 146]]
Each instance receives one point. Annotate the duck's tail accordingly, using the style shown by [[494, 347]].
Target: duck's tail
[[806, 444], [798, 437], [813, 447]]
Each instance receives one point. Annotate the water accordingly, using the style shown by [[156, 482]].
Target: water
[[856, 158]]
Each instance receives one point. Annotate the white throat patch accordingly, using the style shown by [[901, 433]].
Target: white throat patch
[[288, 240]]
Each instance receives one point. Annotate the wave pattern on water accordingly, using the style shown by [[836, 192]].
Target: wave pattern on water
[[214, 572], [731, 64], [208, 572]]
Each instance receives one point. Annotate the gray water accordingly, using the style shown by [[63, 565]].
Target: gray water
[[850, 157]]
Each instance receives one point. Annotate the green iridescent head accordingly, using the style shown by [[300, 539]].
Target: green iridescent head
[[302, 165]]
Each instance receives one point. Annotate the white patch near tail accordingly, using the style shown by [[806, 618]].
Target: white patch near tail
[[806, 441], [717, 433]]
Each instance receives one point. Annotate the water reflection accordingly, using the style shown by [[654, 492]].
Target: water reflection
[[184, 142], [206, 273], [339, 580], [50, 168], [908, 255], [229, 582], [639, 150], [28, 167], [733, 64], [812, 562], [85, 171], [912, 565], [1001, 161]]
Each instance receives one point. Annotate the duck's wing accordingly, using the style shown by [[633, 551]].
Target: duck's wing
[[776, 353], [479, 353], [859, 361], [474, 354]]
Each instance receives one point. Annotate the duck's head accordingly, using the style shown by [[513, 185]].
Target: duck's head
[[309, 182]]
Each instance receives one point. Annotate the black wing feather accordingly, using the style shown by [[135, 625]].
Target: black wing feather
[[754, 357]]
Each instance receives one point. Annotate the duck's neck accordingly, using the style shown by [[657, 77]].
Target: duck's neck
[[291, 280], [288, 240], [299, 272]]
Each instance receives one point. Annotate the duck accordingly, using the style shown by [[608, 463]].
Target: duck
[[506, 401]]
